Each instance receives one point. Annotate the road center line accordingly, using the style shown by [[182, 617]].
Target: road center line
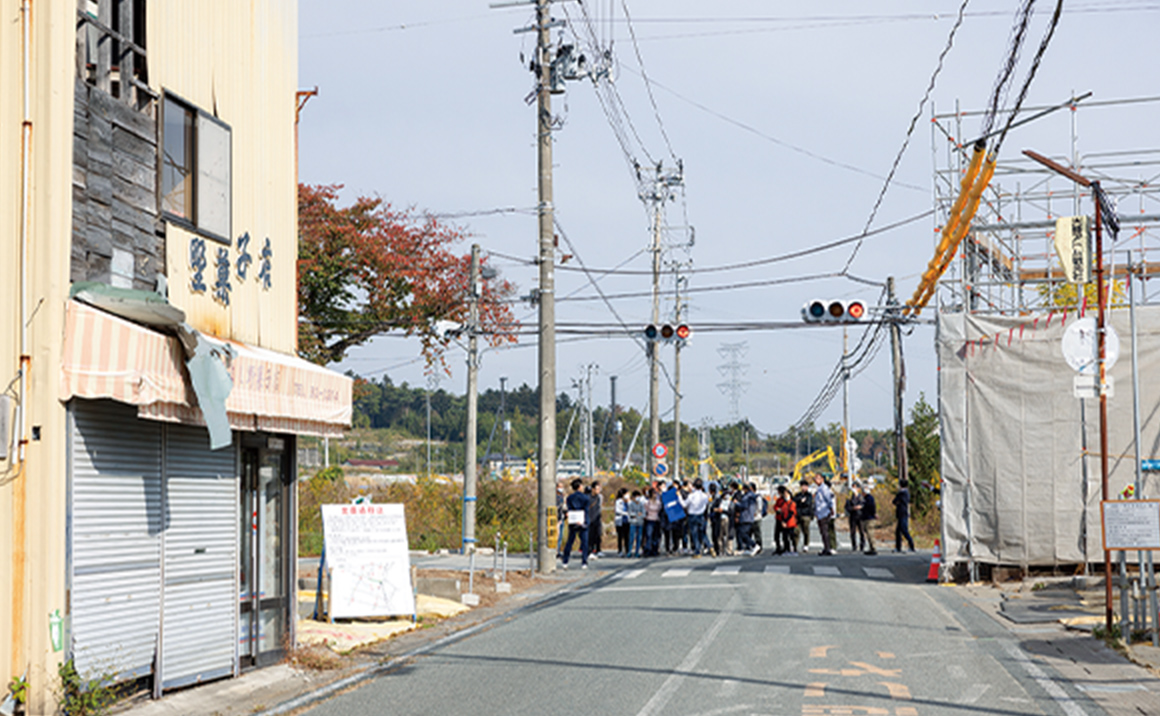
[[660, 699]]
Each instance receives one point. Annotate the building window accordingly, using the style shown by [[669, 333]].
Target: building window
[[195, 169]]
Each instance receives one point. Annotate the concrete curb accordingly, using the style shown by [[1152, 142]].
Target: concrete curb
[[374, 670]]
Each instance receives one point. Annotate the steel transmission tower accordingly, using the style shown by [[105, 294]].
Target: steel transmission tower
[[733, 370]]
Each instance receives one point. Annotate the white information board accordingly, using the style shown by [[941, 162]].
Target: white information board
[[1131, 524], [370, 567]]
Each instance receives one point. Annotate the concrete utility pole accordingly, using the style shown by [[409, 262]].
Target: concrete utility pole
[[677, 345], [895, 318], [471, 461], [615, 427], [503, 439], [546, 473], [847, 461], [654, 393]]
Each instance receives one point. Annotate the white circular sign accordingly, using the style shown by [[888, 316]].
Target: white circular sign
[[659, 451], [1079, 346]]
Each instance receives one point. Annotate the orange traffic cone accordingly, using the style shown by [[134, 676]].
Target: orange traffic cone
[[935, 562]]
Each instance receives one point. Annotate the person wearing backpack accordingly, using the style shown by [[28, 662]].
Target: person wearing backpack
[[804, 502]]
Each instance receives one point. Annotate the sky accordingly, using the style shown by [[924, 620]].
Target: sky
[[786, 117]]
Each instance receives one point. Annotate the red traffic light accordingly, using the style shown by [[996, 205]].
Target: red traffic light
[[683, 331], [834, 311]]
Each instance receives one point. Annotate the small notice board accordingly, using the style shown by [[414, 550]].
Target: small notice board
[[370, 567], [1131, 524]]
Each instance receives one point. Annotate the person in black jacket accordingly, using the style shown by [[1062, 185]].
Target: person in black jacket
[[577, 516], [805, 513], [868, 516], [902, 513]]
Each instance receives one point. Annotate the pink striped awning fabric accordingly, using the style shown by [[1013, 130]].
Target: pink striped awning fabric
[[106, 356]]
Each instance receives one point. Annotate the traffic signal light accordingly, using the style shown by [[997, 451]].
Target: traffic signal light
[[667, 332], [833, 311]]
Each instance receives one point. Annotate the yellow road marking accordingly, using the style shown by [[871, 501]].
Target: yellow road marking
[[871, 669], [885, 655], [819, 652], [815, 690], [905, 711], [839, 672], [898, 692]]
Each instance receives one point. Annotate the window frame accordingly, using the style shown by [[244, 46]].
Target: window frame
[[193, 223]]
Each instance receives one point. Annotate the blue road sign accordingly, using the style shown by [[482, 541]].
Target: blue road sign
[[661, 468], [1150, 465]]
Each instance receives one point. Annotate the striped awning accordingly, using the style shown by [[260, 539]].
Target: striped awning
[[106, 356]]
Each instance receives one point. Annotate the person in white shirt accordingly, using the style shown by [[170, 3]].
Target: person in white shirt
[[620, 520], [696, 505]]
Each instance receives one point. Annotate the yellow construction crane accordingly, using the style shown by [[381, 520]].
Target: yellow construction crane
[[826, 452], [709, 461]]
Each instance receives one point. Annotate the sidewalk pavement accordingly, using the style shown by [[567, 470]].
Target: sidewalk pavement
[[1043, 623], [285, 688]]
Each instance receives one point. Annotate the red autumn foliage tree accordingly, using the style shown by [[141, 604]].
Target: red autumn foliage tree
[[367, 269]]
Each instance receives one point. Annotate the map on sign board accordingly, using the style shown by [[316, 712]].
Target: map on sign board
[[370, 567], [1131, 524]]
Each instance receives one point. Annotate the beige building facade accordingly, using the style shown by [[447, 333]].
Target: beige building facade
[[150, 396]]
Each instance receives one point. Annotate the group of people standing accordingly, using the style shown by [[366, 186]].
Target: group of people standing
[[687, 519]]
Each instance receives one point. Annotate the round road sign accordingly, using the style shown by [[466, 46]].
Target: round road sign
[[659, 451], [661, 469], [1079, 346]]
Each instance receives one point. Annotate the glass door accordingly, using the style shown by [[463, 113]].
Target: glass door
[[263, 609]]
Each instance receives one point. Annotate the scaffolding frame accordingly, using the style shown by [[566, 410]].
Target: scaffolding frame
[[1007, 263]]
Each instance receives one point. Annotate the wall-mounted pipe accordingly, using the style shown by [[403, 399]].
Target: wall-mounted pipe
[[19, 485]]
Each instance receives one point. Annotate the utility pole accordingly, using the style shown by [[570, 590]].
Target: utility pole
[[654, 395], [847, 462], [503, 411], [470, 458], [658, 192], [615, 427], [546, 475], [895, 318], [590, 443], [564, 66], [678, 344]]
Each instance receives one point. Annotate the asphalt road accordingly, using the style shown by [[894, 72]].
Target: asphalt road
[[809, 635]]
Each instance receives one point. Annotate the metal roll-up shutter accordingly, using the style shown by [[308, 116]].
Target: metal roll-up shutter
[[199, 633], [117, 521]]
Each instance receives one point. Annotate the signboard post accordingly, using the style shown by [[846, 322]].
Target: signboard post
[[1131, 524], [366, 548]]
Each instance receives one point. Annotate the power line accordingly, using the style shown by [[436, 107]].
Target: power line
[[644, 75], [788, 256], [767, 137], [910, 130]]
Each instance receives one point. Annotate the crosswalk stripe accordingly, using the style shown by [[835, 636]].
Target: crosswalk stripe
[[630, 574], [727, 570], [777, 569], [826, 571], [677, 573], [878, 572]]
